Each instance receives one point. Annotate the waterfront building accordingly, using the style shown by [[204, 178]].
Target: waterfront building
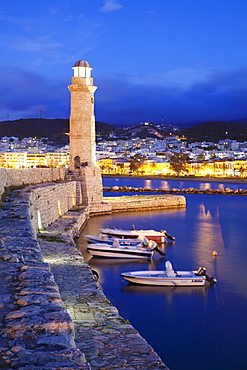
[[26, 159], [240, 167]]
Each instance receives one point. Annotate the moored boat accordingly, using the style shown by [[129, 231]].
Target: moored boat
[[157, 236], [169, 277], [117, 250], [105, 239]]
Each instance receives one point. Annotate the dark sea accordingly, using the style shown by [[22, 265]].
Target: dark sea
[[190, 328]]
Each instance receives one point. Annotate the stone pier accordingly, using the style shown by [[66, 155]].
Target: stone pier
[[53, 314]]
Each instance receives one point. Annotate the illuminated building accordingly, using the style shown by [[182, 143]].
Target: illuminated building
[[32, 160]]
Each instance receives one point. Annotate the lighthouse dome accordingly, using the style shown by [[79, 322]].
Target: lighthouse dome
[[82, 63]]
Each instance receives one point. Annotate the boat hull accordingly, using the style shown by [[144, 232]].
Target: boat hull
[[156, 236], [159, 278], [124, 252], [99, 240]]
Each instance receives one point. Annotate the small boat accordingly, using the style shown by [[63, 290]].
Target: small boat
[[105, 239], [117, 250], [169, 277], [157, 236]]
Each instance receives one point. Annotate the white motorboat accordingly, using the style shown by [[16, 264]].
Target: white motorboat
[[157, 236], [169, 277], [105, 239], [117, 250]]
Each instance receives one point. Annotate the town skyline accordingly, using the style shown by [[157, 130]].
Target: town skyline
[[174, 62]]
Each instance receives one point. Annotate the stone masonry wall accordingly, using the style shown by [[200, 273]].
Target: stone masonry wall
[[18, 177], [36, 331], [50, 201], [91, 184], [137, 203]]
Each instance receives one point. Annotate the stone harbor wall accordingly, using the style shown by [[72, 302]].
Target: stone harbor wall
[[36, 330], [50, 201], [53, 314], [142, 202], [19, 177]]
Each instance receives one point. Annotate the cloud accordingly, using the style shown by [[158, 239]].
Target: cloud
[[126, 100], [110, 6], [179, 79], [25, 93], [39, 45]]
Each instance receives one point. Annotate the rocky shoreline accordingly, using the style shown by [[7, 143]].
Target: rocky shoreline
[[232, 180], [222, 191]]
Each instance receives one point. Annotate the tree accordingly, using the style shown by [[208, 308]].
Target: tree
[[178, 162], [120, 167], [136, 162], [201, 157], [242, 171]]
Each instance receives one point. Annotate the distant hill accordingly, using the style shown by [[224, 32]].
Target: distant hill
[[103, 130], [243, 121], [215, 131], [57, 128], [41, 127], [34, 127], [142, 131]]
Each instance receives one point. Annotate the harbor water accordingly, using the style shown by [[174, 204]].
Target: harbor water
[[190, 328]]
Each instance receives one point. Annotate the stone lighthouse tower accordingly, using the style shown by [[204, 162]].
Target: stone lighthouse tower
[[82, 133]]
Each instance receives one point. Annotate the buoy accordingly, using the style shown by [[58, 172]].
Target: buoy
[[214, 253]]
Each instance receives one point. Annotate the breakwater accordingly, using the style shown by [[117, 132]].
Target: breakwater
[[53, 314], [222, 191], [142, 202]]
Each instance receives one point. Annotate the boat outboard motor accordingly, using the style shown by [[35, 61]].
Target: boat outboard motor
[[154, 247], [169, 269], [211, 280], [144, 240], [201, 271], [167, 235]]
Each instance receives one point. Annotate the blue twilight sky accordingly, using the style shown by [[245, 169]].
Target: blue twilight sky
[[171, 61]]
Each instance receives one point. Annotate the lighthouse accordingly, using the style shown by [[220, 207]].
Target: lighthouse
[[82, 133]]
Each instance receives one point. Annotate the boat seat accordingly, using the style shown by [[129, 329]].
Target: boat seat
[[169, 269], [115, 243]]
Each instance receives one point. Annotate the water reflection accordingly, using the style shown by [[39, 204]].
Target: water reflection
[[164, 185], [169, 184], [210, 185], [167, 292], [207, 235], [147, 184], [150, 264], [216, 315]]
